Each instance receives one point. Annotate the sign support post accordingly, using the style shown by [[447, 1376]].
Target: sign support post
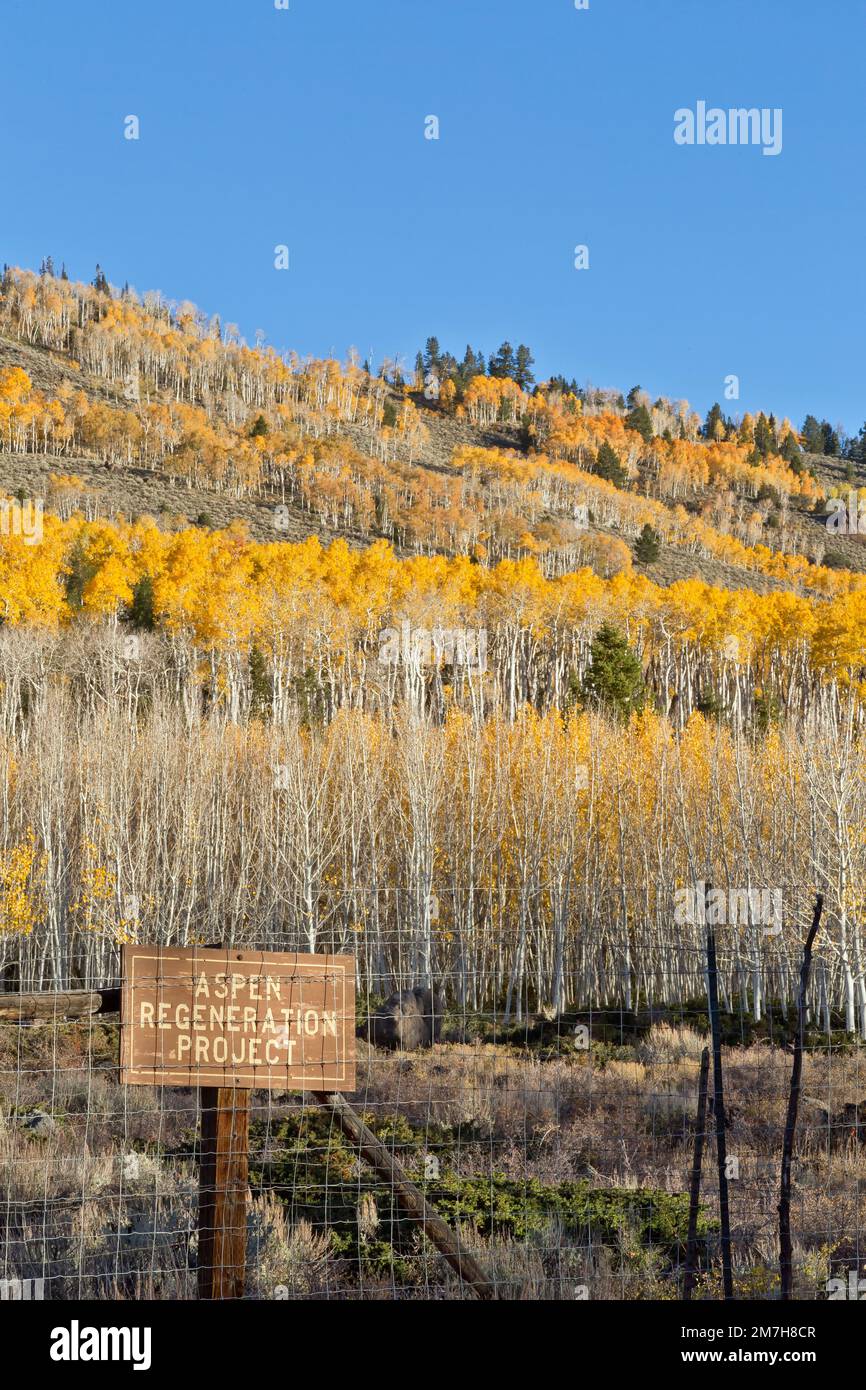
[[223, 1183], [226, 1021]]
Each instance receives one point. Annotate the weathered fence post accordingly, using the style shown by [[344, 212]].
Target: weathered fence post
[[695, 1188], [786, 1261], [223, 1183], [719, 1107]]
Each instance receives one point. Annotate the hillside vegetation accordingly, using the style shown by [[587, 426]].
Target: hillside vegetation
[[468, 676]]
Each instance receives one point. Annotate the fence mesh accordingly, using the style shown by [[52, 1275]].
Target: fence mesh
[[558, 1149]]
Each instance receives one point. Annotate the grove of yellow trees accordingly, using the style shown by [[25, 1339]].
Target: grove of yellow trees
[[524, 863], [318, 612]]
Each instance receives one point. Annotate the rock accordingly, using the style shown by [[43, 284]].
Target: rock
[[38, 1122], [130, 1167], [841, 1128], [163, 1226], [409, 1019], [852, 1122]]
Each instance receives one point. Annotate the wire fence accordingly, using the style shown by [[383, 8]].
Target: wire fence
[[559, 1151]]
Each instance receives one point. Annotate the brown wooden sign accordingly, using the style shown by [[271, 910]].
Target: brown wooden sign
[[223, 1017]]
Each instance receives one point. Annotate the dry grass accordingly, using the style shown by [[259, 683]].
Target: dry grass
[[100, 1200], [664, 1043]]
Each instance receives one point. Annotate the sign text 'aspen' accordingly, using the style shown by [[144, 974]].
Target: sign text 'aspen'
[[226, 1017]]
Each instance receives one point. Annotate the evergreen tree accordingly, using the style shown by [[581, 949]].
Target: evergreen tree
[[140, 610], [813, 435], [764, 438], [565, 388], [710, 704], [614, 680], [714, 418], [640, 420], [431, 356], [261, 684], [648, 545], [523, 368], [768, 711], [78, 572], [769, 494], [472, 365], [608, 466], [830, 439], [773, 427], [469, 365], [502, 362]]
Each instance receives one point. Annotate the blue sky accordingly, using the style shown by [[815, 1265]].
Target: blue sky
[[306, 128]]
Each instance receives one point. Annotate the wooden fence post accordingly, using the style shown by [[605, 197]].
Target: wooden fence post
[[223, 1183], [786, 1269], [695, 1189], [719, 1109]]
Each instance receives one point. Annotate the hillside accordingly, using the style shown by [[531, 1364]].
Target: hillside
[[347, 455], [266, 521], [480, 685]]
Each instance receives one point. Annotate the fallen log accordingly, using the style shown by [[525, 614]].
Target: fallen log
[[66, 1004], [411, 1198]]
